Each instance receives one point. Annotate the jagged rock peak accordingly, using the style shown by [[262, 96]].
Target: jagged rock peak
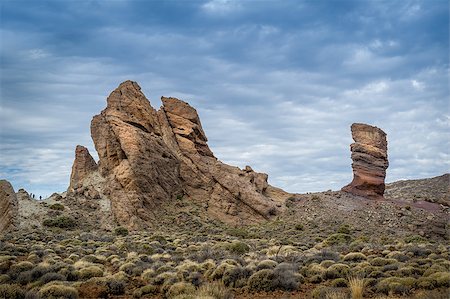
[[9, 208], [83, 165], [148, 158], [370, 161]]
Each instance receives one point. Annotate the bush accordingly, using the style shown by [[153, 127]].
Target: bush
[[344, 229], [121, 231], [396, 285], [61, 222], [11, 291], [236, 277], [57, 206], [339, 283], [266, 264], [286, 277], [336, 271], [51, 276], [263, 280], [56, 291], [299, 226], [215, 290], [180, 288], [146, 290], [354, 257], [238, 247], [338, 239], [91, 271]]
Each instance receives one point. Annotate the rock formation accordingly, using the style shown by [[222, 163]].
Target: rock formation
[[370, 161], [8, 206], [148, 158], [83, 165]]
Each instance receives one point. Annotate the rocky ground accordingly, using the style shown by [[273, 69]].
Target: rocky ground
[[399, 248]]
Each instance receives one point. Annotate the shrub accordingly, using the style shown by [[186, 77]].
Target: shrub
[[61, 222], [299, 226], [11, 291], [354, 257], [236, 277], [396, 285], [338, 239], [415, 239], [266, 264], [51, 276], [336, 271], [442, 279], [344, 229], [379, 261], [339, 283], [180, 288], [56, 291], [238, 247], [286, 278], [263, 280], [91, 271], [121, 231], [57, 206], [146, 290]]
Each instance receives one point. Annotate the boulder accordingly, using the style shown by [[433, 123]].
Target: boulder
[[370, 161], [9, 208]]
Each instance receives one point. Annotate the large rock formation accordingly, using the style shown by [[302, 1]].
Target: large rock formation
[[370, 161], [148, 158], [83, 165], [8, 206]]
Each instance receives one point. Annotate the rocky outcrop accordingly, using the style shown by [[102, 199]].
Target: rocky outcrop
[[8, 206], [149, 158], [370, 161], [83, 165]]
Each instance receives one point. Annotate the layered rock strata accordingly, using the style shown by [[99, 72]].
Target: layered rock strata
[[370, 161]]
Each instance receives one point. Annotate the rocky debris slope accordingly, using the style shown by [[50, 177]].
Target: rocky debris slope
[[435, 190], [370, 161], [8, 206], [148, 158]]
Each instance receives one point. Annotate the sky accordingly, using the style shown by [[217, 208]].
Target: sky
[[277, 84]]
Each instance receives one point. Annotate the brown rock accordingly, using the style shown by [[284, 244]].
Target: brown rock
[[83, 165], [370, 161], [9, 208], [150, 157]]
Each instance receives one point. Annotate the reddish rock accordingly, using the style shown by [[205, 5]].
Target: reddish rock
[[370, 161], [9, 208], [83, 165], [148, 158]]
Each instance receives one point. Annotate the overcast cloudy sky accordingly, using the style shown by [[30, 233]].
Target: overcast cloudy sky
[[277, 84]]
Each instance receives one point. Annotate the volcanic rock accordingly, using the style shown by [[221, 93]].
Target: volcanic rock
[[8, 206], [370, 161], [83, 165], [148, 158]]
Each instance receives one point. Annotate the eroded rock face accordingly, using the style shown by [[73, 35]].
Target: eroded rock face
[[370, 161], [150, 157], [8, 206], [83, 165]]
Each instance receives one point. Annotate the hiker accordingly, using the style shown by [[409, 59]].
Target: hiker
[[40, 197]]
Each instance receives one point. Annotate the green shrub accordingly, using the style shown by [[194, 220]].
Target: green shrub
[[336, 271], [379, 261], [338, 239], [299, 226], [263, 280], [91, 271], [121, 231], [11, 291], [396, 285], [339, 283], [146, 290], [238, 247], [61, 222], [354, 257], [57, 291], [442, 279], [57, 206], [266, 264], [180, 288], [344, 229], [415, 239]]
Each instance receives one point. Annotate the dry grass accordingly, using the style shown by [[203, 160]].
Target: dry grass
[[336, 295], [356, 286]]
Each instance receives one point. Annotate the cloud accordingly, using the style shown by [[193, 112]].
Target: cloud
[[277, 84]]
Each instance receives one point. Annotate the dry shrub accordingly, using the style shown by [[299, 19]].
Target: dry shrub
[[356, 285]]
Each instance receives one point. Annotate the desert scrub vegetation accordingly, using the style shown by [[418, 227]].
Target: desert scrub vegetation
[[218, 262], [60, 222]]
